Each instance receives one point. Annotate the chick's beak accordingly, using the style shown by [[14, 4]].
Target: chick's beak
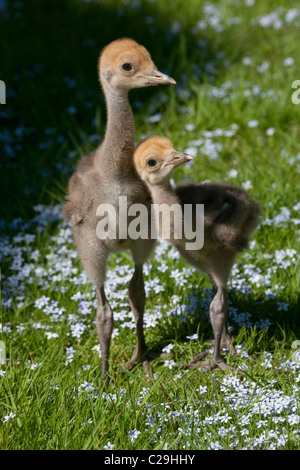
[[158, 78], [178, 159]]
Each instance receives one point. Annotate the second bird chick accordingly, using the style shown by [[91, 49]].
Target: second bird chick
[[230, 216]]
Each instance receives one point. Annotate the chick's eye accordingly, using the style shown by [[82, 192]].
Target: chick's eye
[[151, 162], [127, 67]]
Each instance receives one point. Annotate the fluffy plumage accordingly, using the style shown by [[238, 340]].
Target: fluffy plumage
[[230, 216], [105, 175]]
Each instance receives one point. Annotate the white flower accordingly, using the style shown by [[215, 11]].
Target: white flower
[[247, 185], [232, 173], [242, 350], [291, 14], [271, 19], [293, 419], [155, 118], [34, 365], [42, 302], [225, 418], [215, 445], [189, 127], [247, 61], [178, 377], [77, 329], [97, 348], [168, 348], [133, 435], [288, 61], [253, 123], [50, 334], [262, 68], [8, 417], [202, 390], [109, 446], [170, 364], [195, 336], [270, 131]]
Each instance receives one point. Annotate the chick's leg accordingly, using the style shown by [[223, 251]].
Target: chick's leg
[[104, 326], [137, 298], [219, 267], [222, 339], [93, 255]]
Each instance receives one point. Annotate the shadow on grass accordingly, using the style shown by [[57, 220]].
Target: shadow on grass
[[53, 96], [283, 325]]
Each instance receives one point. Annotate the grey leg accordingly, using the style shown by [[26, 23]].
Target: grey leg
[[218, 317], [220, 264], [104, 325], [137, 298], [219, 306], [93, 255]]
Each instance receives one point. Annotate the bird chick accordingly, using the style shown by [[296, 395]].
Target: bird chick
[[106, 175], [124, 64], [229, 218]]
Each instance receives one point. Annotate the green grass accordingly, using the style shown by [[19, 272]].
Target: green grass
[[51, 392]]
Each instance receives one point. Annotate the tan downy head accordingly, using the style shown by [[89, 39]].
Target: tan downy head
[[155, 159], [125, 64]]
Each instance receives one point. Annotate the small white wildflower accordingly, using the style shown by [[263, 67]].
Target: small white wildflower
[[262, 68], [133, 435], [42, 302], [37, 326], [155, 118], [34, 365], [288, 61], [194, 336], [253, 123], [178, 376], [20, 328], [232, 173], [291, 14], [190, 127], [296, 207], [167, 349], [50, 334], [247, 185], [270, 131], [170, 364], [247, 61], [97, 348], [8, 417], [215, 445], [293, 419], [225, 418], [242, 350], [109, 446]]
